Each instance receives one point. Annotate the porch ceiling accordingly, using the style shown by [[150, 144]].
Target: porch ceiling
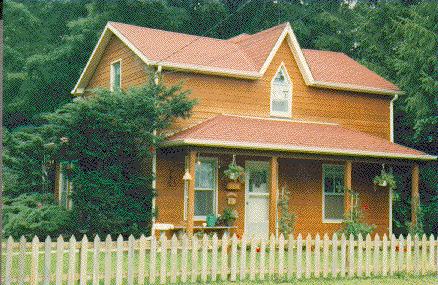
[[231, 131]]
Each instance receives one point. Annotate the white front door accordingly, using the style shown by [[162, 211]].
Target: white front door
[[257, 199]]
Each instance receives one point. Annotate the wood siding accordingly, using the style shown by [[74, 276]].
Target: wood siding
[[303, 178]]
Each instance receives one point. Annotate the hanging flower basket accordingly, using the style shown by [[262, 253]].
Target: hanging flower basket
[[235, 174], [384, 181]]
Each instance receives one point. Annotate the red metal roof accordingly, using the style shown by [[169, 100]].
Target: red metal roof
[[287, 135], [245, 53]]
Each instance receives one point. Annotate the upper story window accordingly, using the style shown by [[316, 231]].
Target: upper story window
[[333, 192], [281, 94], [116, 75]]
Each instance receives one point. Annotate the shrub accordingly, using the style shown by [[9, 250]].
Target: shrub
[[353, 222], [286, 221], [34, 214]]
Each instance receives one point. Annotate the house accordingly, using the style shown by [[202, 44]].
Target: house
[[304, 121]]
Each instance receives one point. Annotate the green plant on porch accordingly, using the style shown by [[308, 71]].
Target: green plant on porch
[[234, 172], [385, 179], [227, 218], [353, 223], [416, 227], [286, 221]]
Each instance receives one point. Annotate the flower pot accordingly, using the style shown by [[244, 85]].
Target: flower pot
[[233, 185], [211, 221]]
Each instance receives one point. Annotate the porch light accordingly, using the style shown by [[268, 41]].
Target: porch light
[[187, 176]]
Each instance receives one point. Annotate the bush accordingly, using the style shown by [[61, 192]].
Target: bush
[[34, 214]]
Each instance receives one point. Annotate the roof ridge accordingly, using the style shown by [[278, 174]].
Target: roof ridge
[[281, 119]]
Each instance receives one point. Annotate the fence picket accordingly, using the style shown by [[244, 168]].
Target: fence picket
[[141, 260], [271, 256], [432, 253], [8, 265], [343, 254], [281, 256], [163, 259], [184, 258], [290, 256], [409, 254], [252, 259], [359, 255], [72, 261], [214, 248], [392, 265], [351, 256], [153, 260], [317, 260], [59, 260], [96, 260], [131, 241], [368, 256], [384, 255], [416, 255], [299, 256], [204, 262], [423, 263], [119, 260], [401, 250], [262, 260], [334, 255], [233, 258], [21, 261], [83, 261], [376, 254], [325, 257], [35, 254], [242, 273], [108, 257], [224, 258], [308, 255], [173, 259]]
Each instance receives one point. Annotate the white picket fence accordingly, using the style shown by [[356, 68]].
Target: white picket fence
[[210, 259]]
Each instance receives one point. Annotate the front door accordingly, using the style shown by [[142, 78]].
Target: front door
[[257, 199]]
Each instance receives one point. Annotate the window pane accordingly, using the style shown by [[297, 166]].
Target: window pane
[[116, 75], [205, 175], [204, 203], [258, 181], [334, 206], [328, 185]]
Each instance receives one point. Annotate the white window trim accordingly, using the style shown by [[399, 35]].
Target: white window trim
[[69, 189], [112, 73], [203, 218], [324, 220], [281, 114]]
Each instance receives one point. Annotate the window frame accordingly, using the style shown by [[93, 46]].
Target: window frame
[[273, 113], [68, 202], [215, 193], [325, 166], [112, 73]]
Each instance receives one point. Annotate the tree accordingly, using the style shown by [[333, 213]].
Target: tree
[[109, 137]]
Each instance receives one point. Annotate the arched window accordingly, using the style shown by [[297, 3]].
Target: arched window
[[281, 94]]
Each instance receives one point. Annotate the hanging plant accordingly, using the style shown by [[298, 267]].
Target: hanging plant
[[235, 174], [385, 179]]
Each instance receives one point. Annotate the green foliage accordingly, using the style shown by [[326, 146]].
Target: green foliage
[[416, 228], [234, 172], [286, 221], [353, 222], [109, 137], [385, 179], [227, 218], [34, 214]]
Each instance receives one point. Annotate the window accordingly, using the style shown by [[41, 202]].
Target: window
[[65, 186], [333, 189], [205, 187], [116, 75], [281, 94]]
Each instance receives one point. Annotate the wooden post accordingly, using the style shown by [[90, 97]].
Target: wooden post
[[415, 195], [273, 189], [347, 185], [191, 194]]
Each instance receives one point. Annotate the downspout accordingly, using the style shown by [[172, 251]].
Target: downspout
[[154, 162], [391, 119]]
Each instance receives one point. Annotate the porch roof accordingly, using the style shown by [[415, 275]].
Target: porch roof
[[230, 131]]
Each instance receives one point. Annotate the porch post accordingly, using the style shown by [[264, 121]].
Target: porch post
[[347, 185], [273, 189], [191, 194], [415, 195]]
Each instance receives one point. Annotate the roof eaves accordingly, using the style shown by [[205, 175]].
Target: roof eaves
[[301, 149]]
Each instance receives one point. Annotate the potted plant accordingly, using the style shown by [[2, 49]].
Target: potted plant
[[235, 174], [227, 218], [385, 180]]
